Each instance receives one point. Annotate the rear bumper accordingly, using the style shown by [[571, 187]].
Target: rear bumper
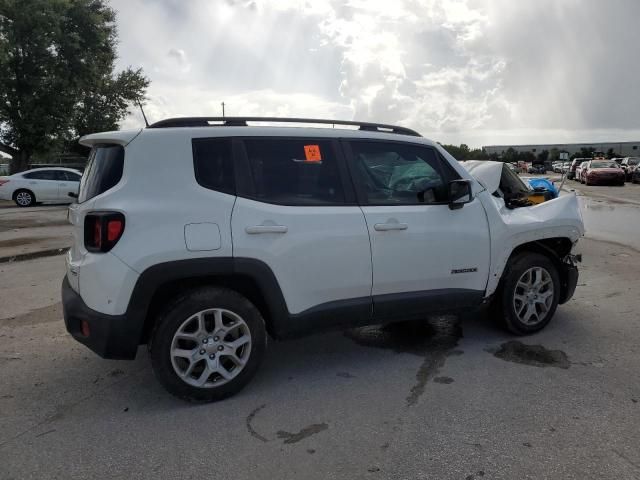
[[110, 336], [606, 181]]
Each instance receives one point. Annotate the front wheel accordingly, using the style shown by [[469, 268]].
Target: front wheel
[[530, 293], [208, 344]]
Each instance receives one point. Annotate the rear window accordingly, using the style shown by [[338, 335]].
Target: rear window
[[103, 172]]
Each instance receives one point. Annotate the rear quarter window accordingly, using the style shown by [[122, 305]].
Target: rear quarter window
[[213, 164], [103, 172]]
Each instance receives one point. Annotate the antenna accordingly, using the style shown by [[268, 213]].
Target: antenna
[[222, 109], [143, 115]]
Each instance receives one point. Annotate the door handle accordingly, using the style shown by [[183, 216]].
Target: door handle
[[385, 227], [258, 229]]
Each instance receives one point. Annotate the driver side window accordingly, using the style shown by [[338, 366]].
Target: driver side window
[[400, 174]]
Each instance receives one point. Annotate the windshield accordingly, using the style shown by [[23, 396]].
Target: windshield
[[602, 164], [633, 161]]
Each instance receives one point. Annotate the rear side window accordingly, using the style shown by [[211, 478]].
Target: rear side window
[[72, 177], [294, 171], [213, 164], [103, 172]]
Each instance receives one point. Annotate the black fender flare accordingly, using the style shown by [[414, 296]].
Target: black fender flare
[[153, 278]]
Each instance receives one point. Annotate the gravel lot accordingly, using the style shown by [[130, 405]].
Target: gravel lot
[[450, 398]]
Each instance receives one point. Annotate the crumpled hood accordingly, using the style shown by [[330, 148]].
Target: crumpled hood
[[487, 172]]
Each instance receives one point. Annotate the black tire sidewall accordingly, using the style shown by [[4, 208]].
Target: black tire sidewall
[[180, 310], [515, 269]]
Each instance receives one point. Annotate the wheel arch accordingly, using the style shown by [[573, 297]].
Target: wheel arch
[[556, 249], [15, 193], [161, 284]]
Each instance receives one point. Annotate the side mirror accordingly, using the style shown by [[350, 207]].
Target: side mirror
[[459, 193], [72, 194]]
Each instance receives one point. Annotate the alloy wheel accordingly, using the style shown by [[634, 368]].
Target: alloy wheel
[[210, 348], [533, 295]]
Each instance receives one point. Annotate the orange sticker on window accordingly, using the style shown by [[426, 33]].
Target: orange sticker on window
[[312, 153]]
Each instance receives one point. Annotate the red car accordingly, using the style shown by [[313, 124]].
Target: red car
[[602, 172]]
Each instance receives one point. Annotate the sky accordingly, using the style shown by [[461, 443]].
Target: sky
[[480, 72]]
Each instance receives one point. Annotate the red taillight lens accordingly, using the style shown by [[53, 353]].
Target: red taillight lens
[[114, 230], [102, 230], [3, 181]]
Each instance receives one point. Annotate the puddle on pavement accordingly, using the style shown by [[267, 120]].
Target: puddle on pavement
[[534, 355], [611, 222], [415, 337], [434, 339], [302, 434]]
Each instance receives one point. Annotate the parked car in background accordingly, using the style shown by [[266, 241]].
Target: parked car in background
[[635, 175], [576, 168], [602, 172], [537, 169], [629, 164], [42, 185]]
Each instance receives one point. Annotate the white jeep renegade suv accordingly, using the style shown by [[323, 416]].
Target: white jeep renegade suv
[[201, 236]]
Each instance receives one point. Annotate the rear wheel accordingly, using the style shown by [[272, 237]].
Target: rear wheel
[[530, 293], [208, 344], [24, 198]]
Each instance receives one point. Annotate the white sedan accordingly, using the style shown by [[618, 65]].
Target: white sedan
[[46, 185]]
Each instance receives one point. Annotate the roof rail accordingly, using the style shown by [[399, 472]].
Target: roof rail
[[242, 122]]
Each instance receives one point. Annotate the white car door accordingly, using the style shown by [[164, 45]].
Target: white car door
[[298, 219], [426, 257], [43, 183], [67, 182]]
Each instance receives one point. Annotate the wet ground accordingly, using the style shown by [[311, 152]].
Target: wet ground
[[446, 398], [615, 222], [33, 232]]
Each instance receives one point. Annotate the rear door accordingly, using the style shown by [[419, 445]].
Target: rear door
[[425, 255], [299, 216], [66, 183]]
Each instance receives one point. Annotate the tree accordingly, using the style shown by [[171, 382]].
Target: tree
[[584, 153], [611, 154], [57, 78], [543, 156], [463, 152]]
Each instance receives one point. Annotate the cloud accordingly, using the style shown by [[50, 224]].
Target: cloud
[[473, 71]]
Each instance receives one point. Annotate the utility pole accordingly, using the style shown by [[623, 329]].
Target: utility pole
[[222, 109]]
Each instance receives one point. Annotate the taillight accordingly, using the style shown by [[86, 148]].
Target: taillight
[[102, 230], [3, 181]]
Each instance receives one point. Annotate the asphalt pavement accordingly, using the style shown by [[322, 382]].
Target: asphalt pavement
[[447, 398]]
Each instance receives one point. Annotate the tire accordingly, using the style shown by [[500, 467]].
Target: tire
[[507, 303], [24, 198], [187, 315]]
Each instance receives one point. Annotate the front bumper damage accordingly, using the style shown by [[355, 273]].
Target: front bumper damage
[[568, 277]]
